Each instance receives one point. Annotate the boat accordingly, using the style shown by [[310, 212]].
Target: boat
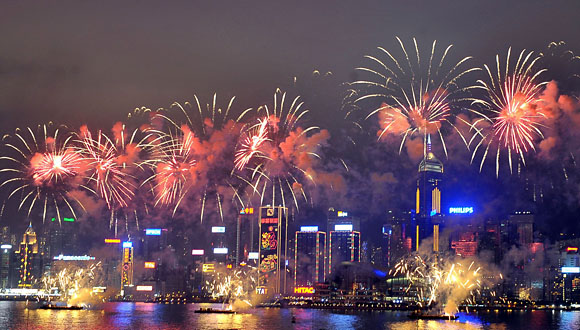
[[61, 307], [424, 316], [210, 310]]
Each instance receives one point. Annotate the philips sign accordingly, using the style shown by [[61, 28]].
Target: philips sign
[[153, 231], [460, 210]]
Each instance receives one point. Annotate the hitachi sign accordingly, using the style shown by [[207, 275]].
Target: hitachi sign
[[304, 290], [460, 210]]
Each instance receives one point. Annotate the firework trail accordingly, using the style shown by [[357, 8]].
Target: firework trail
[[276, 156], [193, 159], [440, 279], [71, 282], [43, 170], [233, 285], [512, 115], [417, 97]]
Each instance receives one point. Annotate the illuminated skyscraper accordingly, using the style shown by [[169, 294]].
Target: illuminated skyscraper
[[428, 196], [273, 262], [309, 256], [344, 245], [27, 255], [247, 235]]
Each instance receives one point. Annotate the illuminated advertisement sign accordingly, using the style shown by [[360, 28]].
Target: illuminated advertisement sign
[[309, 228], [571, 249], [253, 255], [197, 252], [342, 214], [112, 240], [220, 250], [127, 267], [208, 268], [150, 264], [73, 258], [571, 270], [144, 288], [5, 246], [261, 290], [65, 219], [218, 229], [153, 231], [127, 244], [304, 290], [460, 210], [343, 227], [269, 223], [247, 210]]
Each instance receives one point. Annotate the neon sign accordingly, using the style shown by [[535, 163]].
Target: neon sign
[[220, 250], [261, 290], [127, 244], [342, 214], [304, 290], [150, 264], [112, 240], [208, 268], [197, 252], [5, 246], [247, 210], [218, 229], [460, 210], [144, 288], [343, 227], [253, 255], [153, 232], [309, 228], [73, 258], [574, 270]]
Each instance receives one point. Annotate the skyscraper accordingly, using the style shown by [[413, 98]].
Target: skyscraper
[[246, 235], [273, 262], [344, 245], [428, 196], [309, 256], [27, 256]]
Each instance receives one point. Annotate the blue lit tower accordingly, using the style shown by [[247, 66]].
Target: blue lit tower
[[428, 196]]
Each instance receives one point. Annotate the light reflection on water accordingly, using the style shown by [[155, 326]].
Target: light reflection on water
[[142, 316]]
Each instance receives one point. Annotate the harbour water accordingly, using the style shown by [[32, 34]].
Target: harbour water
[[144, 316]]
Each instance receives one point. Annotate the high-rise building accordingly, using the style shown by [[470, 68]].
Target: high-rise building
[[341, 218], [59, 237], [273, 261], [428, 196], [309, 256], [154, 241], [247, 235], [524, 223], [6, 260], [27, 256], [344, 245]]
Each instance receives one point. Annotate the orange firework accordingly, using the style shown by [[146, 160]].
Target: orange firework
[[512, 114], [250, 147], [416, 97]]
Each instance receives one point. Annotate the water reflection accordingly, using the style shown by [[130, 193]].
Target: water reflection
[[16, 315]]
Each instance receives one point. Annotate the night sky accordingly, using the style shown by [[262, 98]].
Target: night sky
[[78, 63]]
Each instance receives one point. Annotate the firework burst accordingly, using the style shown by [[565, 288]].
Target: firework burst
[[277, 154], [512, 115], [193, 159], [44, 170], [416, 97]]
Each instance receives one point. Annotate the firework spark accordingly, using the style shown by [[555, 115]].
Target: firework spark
[[436, 279], [43, 170], [277, 154], [416, 97], [512, 115], [108, 166], [194, 158]]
